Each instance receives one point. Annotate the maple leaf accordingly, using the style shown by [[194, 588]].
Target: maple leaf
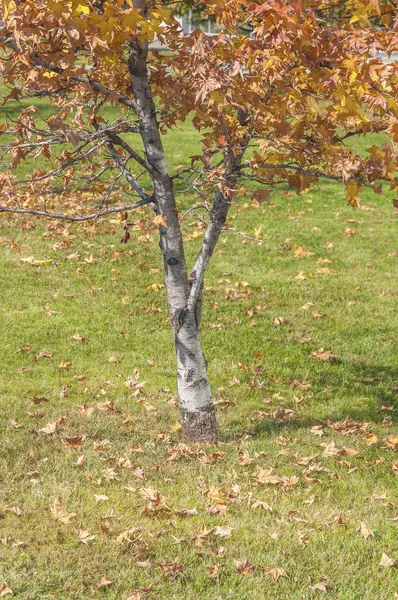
[[171, 570], [244, 567], [84, 536], [276, 573], [52, 428], [60, 512], [74, 442]]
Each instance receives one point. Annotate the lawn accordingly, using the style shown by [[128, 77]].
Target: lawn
[[98, 497]]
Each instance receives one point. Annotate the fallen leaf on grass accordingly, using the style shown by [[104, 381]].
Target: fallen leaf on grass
[[350, 452], [281, 321], [317, 430], [307, 306], [51, 428], [144, 564], [331, 450], [84, 536], [276, 573], [60, 512], [261, 505], [370, 439], [5, 590], [386, 561], [323, 354], [244, 567], [64, 366], [15, 510], [319, 587], [364, 531], [38, 399], [43, 354], [79, 462], [302, 276], [74, 442], [171, 569], [99, 498], [391, 441], [104, 583]]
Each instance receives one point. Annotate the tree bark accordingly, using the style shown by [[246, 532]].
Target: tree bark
[[197, 412], [198, 419]]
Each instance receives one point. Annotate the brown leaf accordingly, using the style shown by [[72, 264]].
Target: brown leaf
[[364, 531], [64, 366], [370, 439], [74, 442], [323, 354], [100, 498], [5, 590], [261, 505], [244, 567], [320, 587], [276, 573], [391, 442], [15, 510], [60, 512], [171, 569], [104, 583], [280, 321], [386, 561], [84, 536], [350, 452], [51, 428], [38, 399]]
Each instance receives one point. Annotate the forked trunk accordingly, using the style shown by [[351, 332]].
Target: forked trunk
[[197, 412], [196, 408]]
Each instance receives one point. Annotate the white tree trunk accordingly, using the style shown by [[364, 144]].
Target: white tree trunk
[[198, 418], [196, 408]]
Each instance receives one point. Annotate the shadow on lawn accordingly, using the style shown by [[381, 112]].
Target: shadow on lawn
[[376, 383]]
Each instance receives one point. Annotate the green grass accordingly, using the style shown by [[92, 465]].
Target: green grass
[[312, 532]]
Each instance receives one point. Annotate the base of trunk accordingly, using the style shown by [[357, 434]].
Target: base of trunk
[[200, 426]]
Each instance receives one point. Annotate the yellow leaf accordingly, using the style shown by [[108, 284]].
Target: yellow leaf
[[155, 287], [370, 439], [7, 7], [160, 221], [176, 427], [81, 8]]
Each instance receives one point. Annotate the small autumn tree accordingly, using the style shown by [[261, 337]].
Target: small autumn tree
[[276, 93]]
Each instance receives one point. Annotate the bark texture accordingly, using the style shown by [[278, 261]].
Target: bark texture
[[198, 419]]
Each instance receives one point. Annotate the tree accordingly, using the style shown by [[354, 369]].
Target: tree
[[275, 105]]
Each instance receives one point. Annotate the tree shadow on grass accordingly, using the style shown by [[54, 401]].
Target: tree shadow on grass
[[377, 384]]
